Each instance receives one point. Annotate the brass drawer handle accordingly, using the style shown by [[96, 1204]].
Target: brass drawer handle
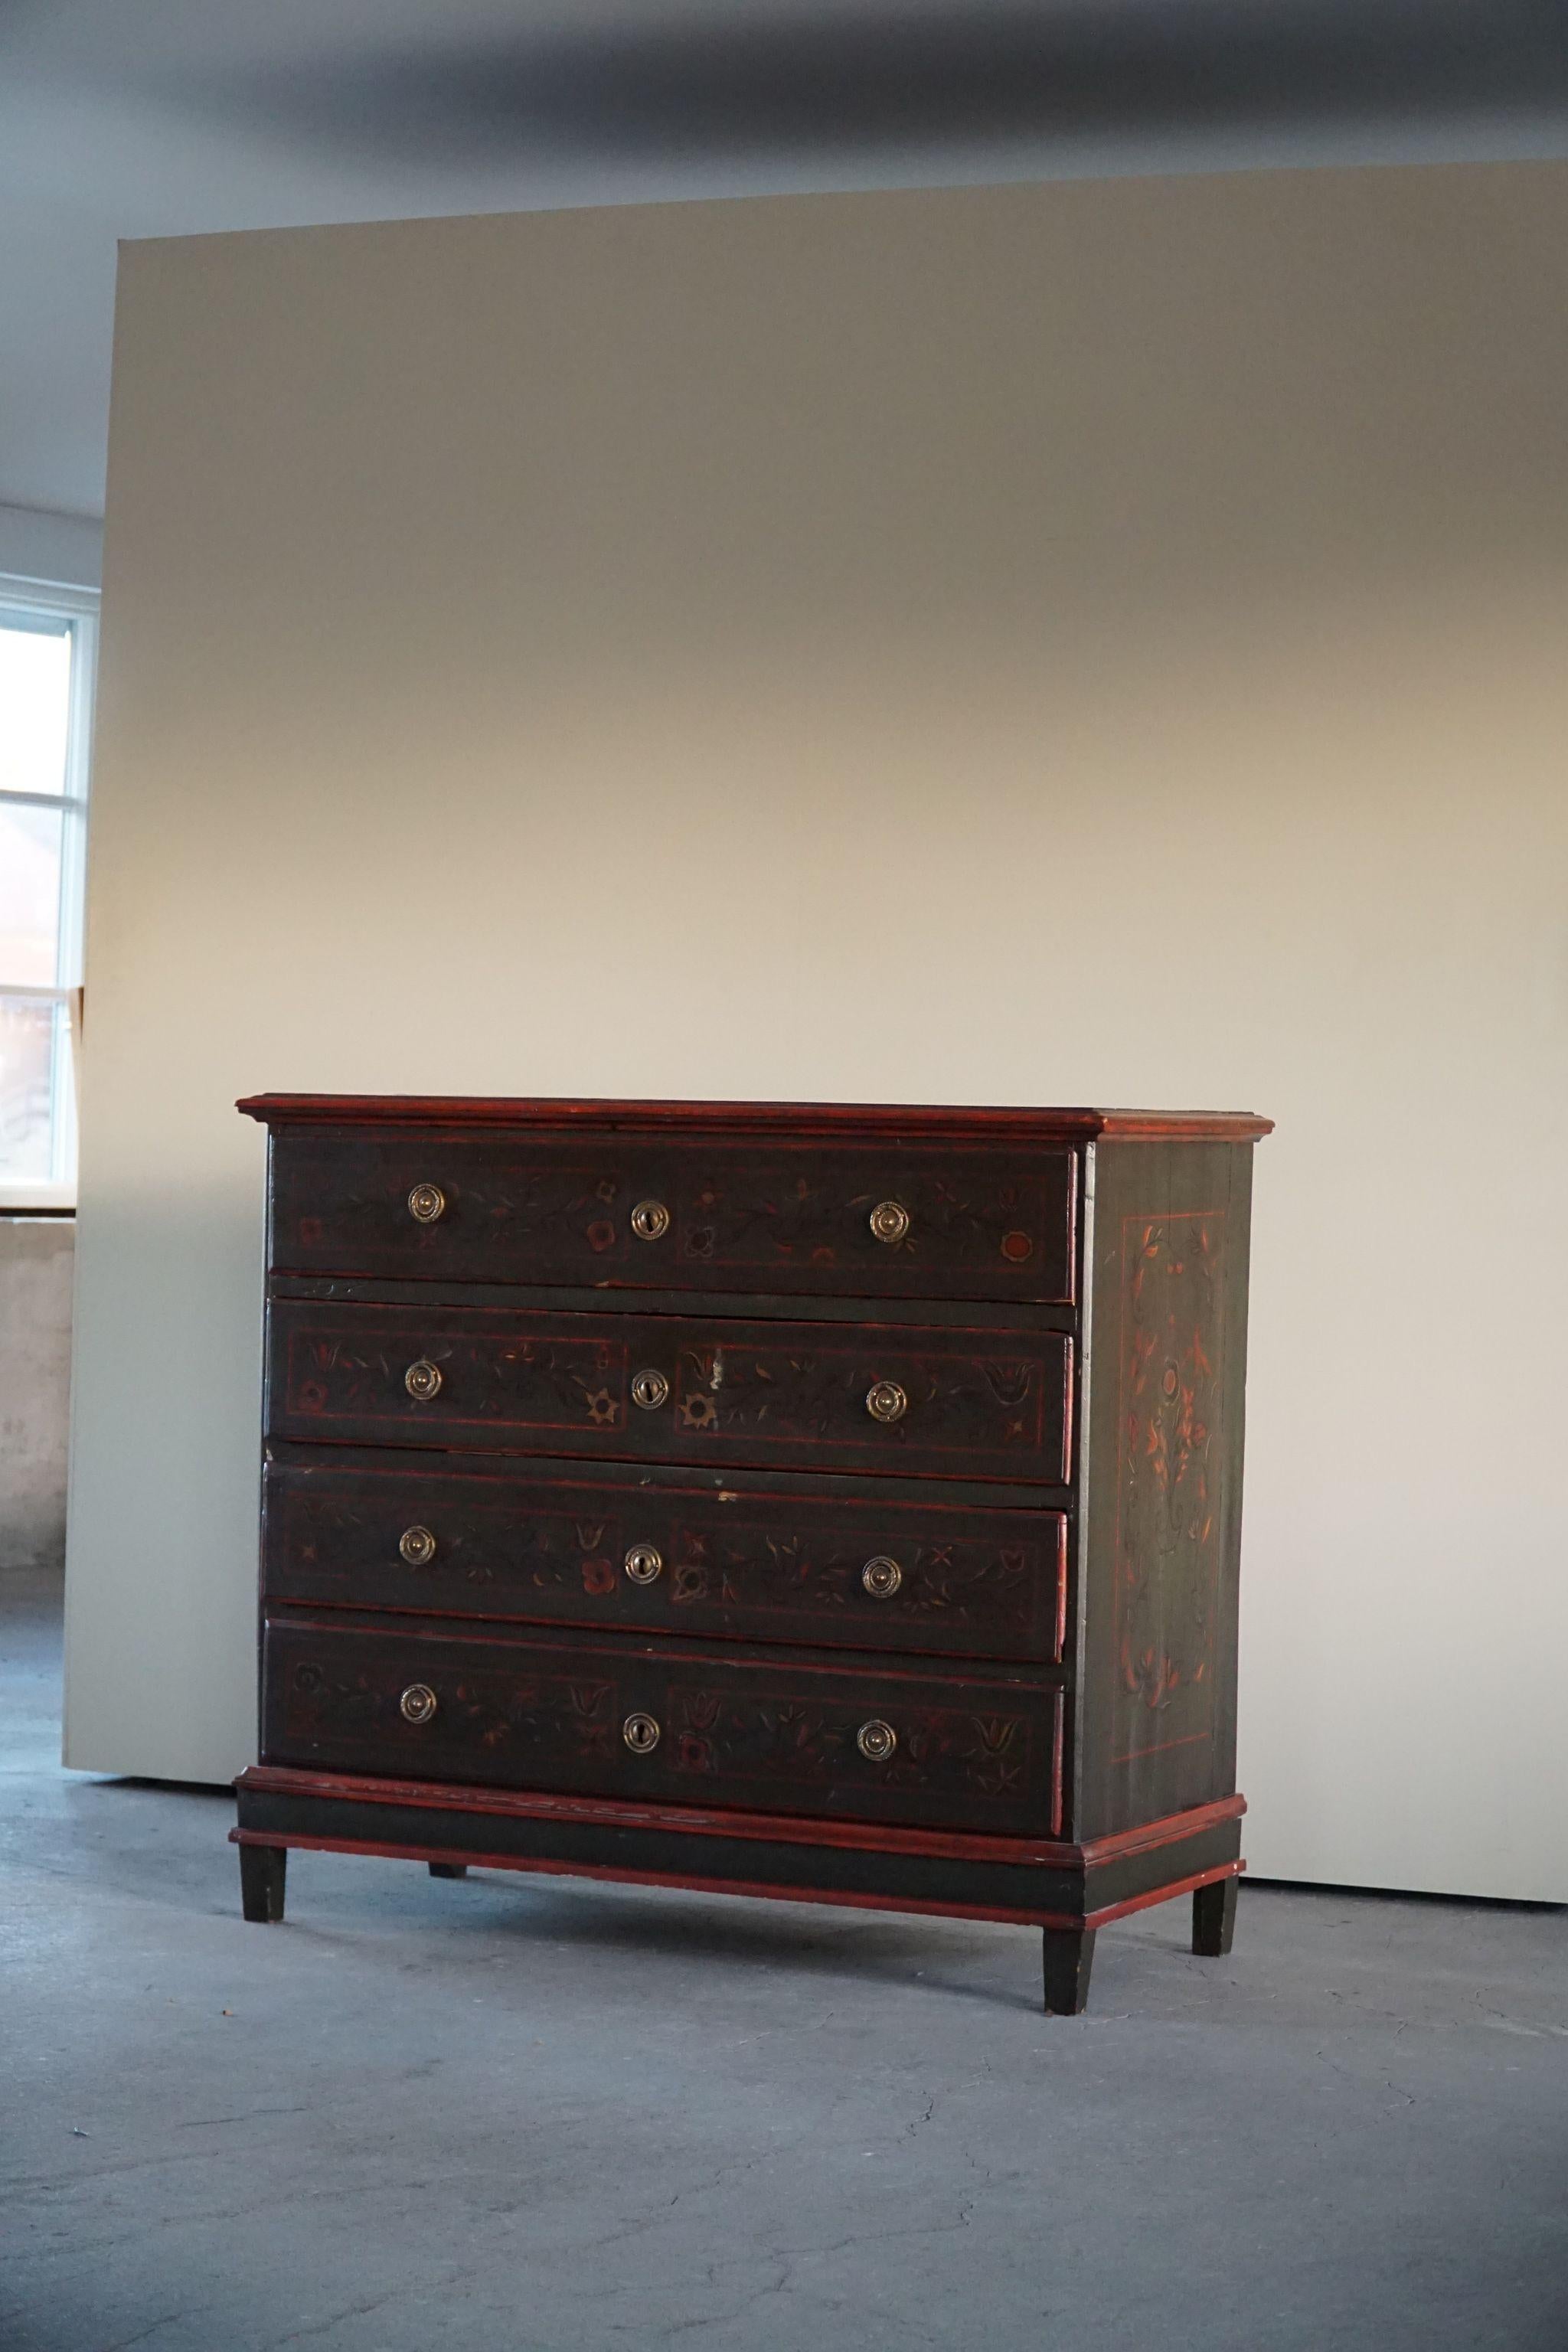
[[417, 1704], [426, 1203], [649, 1220], [645, 1563], [649, 1389], [889, 1221], [886, 1401], [876, 1740], [641, 1734], [882, 1578], [423, 1381], [417, 1546]]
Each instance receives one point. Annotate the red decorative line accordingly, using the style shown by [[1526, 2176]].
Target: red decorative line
[[782, 1828], [1061, 1588], [1164, 1748]]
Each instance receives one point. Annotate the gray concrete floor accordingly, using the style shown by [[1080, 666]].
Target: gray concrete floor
[[505, 2113]]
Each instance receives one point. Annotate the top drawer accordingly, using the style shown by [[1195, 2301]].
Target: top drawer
[[613, 1211]]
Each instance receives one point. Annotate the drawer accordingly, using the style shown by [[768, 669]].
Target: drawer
[[894, 1220], [691, 1727], [890, 1397], [501, 1543]]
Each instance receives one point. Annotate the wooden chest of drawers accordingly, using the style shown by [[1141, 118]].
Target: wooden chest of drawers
[[830, 1503]]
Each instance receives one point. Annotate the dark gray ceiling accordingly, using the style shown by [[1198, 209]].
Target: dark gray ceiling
[[133, 118]]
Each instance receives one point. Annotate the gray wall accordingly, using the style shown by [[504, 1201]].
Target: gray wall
[[35, 1260], [1084, 643], [56, 548]]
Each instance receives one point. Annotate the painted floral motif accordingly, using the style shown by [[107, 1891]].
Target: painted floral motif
[[1168, 1526]]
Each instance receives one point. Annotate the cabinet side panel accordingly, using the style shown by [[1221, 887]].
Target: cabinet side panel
[[1161, 1540]]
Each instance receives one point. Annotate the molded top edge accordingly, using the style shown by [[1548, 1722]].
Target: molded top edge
[[954, 1123]]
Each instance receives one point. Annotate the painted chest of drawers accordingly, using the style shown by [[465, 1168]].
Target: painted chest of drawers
[[829, 1503]]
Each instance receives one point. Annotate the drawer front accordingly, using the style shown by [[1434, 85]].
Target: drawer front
[[953, 1403], [683, 1727], [817, 1570], [906, 1221]]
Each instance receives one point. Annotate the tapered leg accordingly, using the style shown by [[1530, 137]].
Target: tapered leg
[[449, 1870], [1069, 1953], [261, 1873], [1213, 1919]]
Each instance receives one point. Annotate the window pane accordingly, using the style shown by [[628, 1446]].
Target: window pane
[[30, 1075], [35, 709], [30, 896]]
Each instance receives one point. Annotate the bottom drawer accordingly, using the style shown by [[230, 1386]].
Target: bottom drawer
[[685, 1727]]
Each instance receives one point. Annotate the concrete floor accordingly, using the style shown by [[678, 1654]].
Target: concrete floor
[[507, 2115]]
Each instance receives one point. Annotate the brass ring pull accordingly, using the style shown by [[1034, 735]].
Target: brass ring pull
[[645, 1563], [882, 1578], [876, 1740], [886, 1401], [649, 1220], [641, 1734], [426, 1203], [417, 1546], [423, 1381], [889, 1221], [649, 1389], [417, 1704]]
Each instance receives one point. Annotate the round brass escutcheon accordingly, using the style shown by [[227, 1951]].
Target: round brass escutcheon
[[645, 1563], [417, 1704], [417, 1546], [889, 1221], [886, 1401], [876, 1740], [649, 1389], [882, 1578], [641, 1734], [649, 1218], [426, 1203], [423, 1381]]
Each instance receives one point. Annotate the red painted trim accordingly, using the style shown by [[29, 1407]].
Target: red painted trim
[[1190, 1740], [957, 1123], [1057, 1765], [839, 1899], [1168, 1830], [1061, 1589], [1163, 1893], [778, 1829]]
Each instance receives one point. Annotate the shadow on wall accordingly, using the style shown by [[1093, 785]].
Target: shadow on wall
[[36, 1254]]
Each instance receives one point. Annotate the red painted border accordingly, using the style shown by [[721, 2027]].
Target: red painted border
[[838, 1898], [776, 1829], [955, 1123]]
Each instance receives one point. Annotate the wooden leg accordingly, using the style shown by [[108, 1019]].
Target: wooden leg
[[1213, 1919], [1069, 1953], [261, 1873], [449, 1870]]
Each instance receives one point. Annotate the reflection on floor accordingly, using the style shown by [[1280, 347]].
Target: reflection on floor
[[507, 2113]]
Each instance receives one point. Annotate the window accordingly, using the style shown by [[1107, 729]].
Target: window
[[48, 644]]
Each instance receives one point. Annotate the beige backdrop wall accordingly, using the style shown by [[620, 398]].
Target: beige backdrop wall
[[1076, 643]]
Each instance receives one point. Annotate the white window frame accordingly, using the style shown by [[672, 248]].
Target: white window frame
[[78, 606]]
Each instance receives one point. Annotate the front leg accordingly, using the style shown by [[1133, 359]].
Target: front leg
[[261, 1875], [1213, 1919], [1068, 1955]]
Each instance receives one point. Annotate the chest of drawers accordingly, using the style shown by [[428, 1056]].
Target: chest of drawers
[[834, 1504]]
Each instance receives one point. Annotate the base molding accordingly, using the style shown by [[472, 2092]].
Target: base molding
[[1042, 1883]]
